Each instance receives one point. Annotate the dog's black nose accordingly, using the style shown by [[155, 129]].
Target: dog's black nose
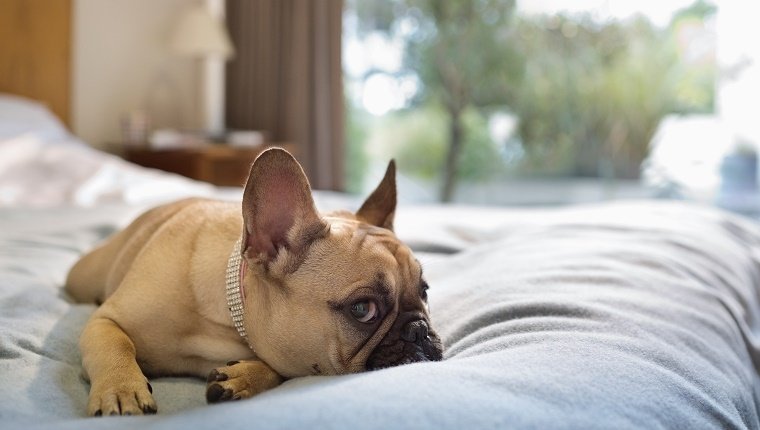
[[415, 331]]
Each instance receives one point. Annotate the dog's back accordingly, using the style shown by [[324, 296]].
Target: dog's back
[[98, 273]]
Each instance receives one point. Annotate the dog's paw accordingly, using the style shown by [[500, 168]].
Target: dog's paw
[[240, 380], [126, 398]]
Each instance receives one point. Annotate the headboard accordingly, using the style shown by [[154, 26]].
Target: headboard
[[35, 52]]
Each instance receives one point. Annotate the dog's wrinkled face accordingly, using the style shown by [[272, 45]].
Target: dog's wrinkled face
[[329, 294]]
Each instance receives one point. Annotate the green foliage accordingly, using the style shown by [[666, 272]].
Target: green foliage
[[357, 127], [588, 96], [593, 98], [481, 159], [695, 89], [417, 139], [374, 15], [462, 50], [700, 10], [465, 61], [465, 55]]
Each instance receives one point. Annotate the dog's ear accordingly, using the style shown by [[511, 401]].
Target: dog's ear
[[380, 206], [278, 210]]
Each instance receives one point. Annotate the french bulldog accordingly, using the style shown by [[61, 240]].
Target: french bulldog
[[250, 298]]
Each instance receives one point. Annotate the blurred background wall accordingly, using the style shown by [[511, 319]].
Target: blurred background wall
[[122, 63]]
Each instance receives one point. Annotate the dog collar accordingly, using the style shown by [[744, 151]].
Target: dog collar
[[236, 268]]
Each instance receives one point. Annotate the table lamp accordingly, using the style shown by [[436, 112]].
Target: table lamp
[[201, 35]]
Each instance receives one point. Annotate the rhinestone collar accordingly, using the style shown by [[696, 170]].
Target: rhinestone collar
[[236, 268]]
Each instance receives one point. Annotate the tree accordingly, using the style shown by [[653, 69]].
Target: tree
[[594, 95], [588, 95], [463, 54]]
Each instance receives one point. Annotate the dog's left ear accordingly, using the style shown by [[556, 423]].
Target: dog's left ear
[[278, 210], [380, 207]]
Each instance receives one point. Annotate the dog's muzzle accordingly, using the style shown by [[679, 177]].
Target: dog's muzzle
[[414, 341]]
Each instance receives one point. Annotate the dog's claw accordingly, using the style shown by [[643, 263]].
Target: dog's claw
[[240, 380], [227, 395], [216, 376], [216, 393], [126, 399]]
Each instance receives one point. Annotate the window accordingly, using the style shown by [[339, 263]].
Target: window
[[534, 102]]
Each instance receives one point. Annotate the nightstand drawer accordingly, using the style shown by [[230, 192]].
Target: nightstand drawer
[[182, 162], [230, 172], [218, 164]]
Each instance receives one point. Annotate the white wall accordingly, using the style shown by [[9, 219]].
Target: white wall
[[122, 63]]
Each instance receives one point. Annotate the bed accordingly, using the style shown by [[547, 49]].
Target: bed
[[623, 315]]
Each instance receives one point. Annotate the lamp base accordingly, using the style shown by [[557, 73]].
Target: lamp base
[[211, 98]]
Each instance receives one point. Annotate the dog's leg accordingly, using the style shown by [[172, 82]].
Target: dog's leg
[[240, 380], [117, 386]]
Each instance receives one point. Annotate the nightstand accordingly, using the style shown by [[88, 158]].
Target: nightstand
[[218, 164]]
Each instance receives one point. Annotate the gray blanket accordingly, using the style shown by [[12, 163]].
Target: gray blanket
[[638, 315]]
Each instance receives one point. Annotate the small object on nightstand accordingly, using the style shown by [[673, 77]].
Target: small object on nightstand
[[134, 129], [167, 138], [245, 138]]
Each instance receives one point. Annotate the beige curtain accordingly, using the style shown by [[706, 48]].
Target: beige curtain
[[286, 79]]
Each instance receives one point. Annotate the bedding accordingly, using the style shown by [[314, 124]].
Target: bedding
[[20, 115], [44, 172], [634, 315], [43, 165], [622, 315]]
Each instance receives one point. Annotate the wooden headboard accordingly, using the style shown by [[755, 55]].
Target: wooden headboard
[[35, 52]]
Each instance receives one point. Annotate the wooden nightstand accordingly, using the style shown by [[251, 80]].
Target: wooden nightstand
[[218, 164]]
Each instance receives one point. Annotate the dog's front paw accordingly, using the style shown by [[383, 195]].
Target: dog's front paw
[[125, 398], [240, 380]]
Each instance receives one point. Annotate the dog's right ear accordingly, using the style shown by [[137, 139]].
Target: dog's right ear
[[380, 207], [278, 210]]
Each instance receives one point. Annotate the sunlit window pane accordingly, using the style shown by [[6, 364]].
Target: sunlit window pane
[[536, 102]]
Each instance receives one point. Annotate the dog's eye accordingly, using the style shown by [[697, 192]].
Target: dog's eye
[[364, 311], [423, 290]]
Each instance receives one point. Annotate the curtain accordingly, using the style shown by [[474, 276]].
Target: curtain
[[286, 79]]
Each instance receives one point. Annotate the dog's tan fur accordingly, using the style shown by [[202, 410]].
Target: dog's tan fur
[[161, 282]]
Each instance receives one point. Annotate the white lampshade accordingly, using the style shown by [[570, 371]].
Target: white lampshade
[[199, 34]]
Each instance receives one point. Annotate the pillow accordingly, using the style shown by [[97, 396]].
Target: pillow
[[54, 172], [19, 115]]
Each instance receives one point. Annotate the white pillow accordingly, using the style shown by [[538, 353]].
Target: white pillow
[[19, 115]]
